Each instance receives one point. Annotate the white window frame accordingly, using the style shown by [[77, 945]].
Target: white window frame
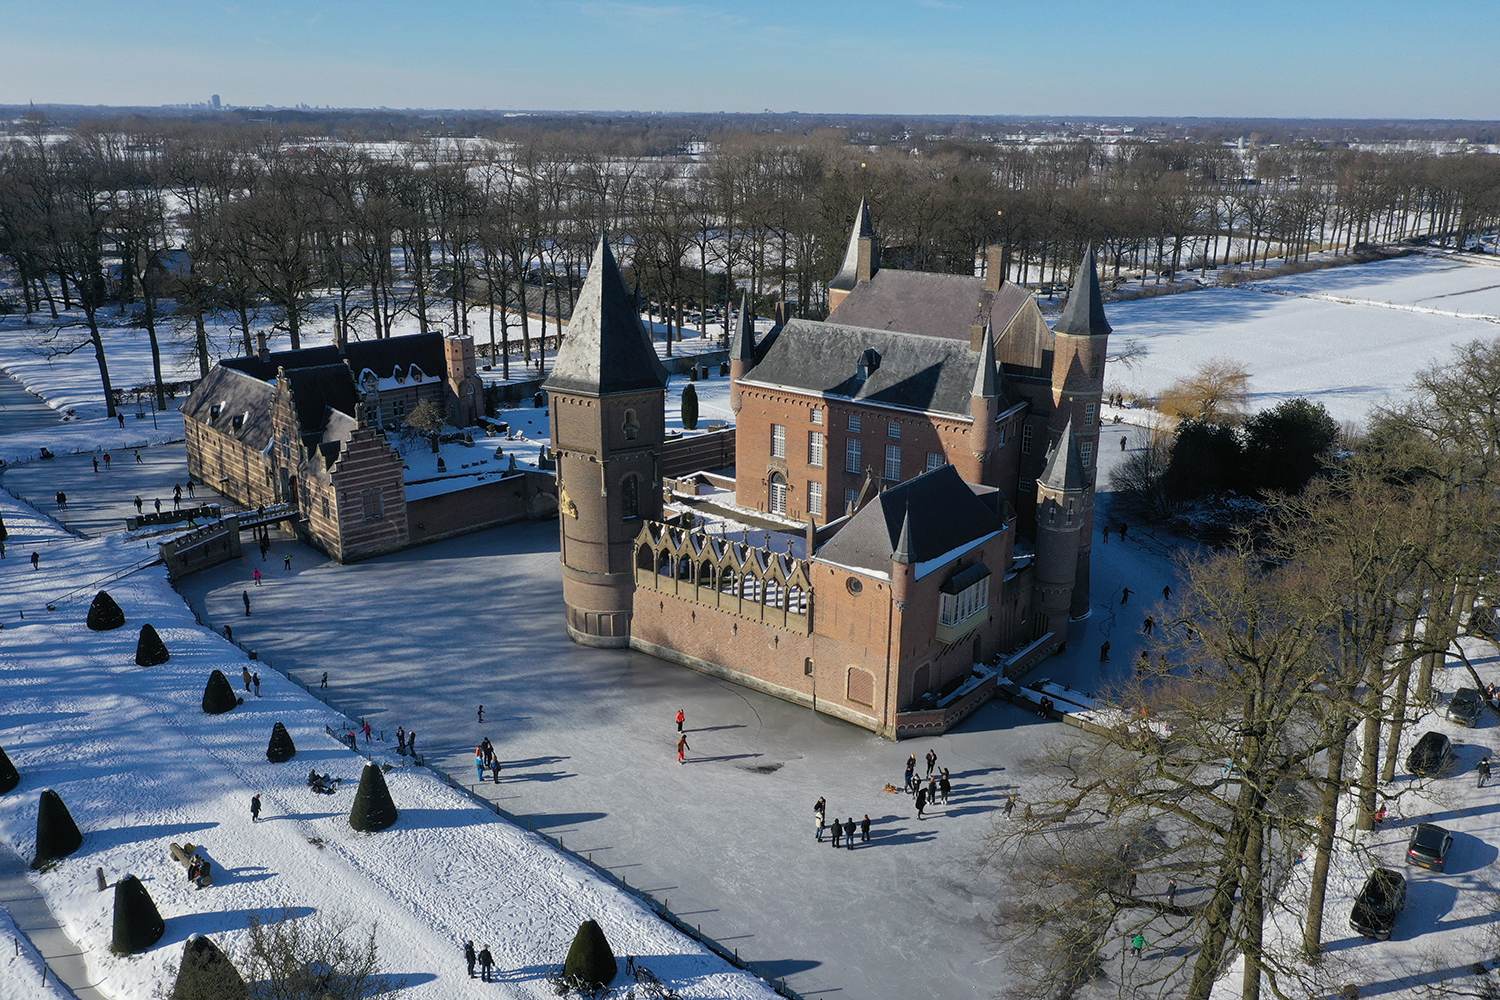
[[815, 497], [954, 609], [854, 426], [893, 430], [778, 441], [373, 503], [1086, 452], [850, 498], [853, 456], [893, 463], [936, 460], [817, 416], [777, 493], [1090, 410], [815, 441], [1027, 432]]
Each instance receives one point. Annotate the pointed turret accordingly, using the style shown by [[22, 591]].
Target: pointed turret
[[1083, 316], [984, 408], [1064, 471], [861, 260], [903, 563], [741, 351], [902, 554], [987, 374], [607, 350]]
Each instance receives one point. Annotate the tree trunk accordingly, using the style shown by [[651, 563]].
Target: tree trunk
[[161, 393], [98, 339], [1369, 753], [1333, 787], [201, 335], [1252, 916]]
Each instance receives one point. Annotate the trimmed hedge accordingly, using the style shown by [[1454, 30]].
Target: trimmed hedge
[[138, 923], [373, 807], [281, 748], [150, 651], [9, 776], [57, 835], [206, 973], [218, 695], [104, 613], [591, 961]]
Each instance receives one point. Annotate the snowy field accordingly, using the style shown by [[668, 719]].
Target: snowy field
[[140, 765], [1347, 337]]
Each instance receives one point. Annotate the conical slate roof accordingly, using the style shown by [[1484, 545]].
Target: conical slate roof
[[902, 554], [848, 275], [1064, 471], [987, 375], [606, 350], [742, 343], [1083, 316]]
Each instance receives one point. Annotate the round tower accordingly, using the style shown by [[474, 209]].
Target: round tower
[[607, 393]]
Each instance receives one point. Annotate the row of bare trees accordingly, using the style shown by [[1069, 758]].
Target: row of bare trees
[[244, 222], [1266, 721]]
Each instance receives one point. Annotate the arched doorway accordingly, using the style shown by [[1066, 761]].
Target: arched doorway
[[778, 494]]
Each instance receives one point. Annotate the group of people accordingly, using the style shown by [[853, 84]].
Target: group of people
[[251, 680], [936, 788], [483, 957], [406, 743], [484, 757], [842, 832]]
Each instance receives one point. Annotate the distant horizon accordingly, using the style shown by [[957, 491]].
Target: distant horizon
[[1336, 60]]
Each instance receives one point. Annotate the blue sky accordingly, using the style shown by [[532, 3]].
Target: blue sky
[[1312, 58]]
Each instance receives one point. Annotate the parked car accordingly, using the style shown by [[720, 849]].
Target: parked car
[[1378, 904], [1432, 754], [1429, 846], [1464, 707]]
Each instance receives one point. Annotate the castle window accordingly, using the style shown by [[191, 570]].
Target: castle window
[[1086, 452], [893, 463], [893, 431], [778, 494], [1070, 511], [854, 422], [398, 411], [817, 416], [1089, 411], [778, 441], [964, 597], [1052, 513], [815, 448], [851, 497], [1026, 432], [325, 507], [630, 497], [374, 504], [372, 415], [936, 460], [631, 426], [1000, 438], [807, 667], [851, 455], [815, 498]]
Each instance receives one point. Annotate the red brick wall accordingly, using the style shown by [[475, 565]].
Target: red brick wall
[[227, 465], [483, 506]]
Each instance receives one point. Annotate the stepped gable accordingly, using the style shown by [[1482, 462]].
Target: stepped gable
[[233, 403], [946, 514], [920, 373], [1064, 470], [1083, 316], [607, 349]]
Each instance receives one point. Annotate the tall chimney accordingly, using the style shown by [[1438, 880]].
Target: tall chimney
[[996, 264], [262, 351]]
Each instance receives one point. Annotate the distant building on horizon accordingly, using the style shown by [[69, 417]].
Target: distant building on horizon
[[215, 101]]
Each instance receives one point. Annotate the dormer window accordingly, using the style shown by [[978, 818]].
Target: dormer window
[[417, 374], [399, 376], [215, 410], [239, 420], [869, 361]]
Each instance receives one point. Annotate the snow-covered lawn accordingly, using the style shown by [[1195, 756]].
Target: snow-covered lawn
[[140, 765], [1347, 337]]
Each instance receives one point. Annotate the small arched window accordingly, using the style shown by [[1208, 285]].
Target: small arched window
[[632, 427]]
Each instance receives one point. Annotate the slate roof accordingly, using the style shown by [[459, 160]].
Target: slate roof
[[315, 391], [382, 357], [742, 342], [234, 394], [1064, 467], [848, 275], [946, 513], [1083, 316], [607, 350], [926, 374]]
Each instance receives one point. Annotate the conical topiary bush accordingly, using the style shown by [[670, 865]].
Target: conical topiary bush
[[138, 923], [591, 961], [149, 649], [9, 776], [57, 835], [206, 973], [373, 808], [104, 613], [218, 696], [282, 749]]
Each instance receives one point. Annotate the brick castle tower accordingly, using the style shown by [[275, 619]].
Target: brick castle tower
[[608, 398]]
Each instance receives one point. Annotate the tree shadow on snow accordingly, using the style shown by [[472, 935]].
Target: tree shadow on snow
[[158, 831], [217, 922]]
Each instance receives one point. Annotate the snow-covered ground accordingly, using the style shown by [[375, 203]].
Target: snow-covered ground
[[1347, 337], [140, 765]]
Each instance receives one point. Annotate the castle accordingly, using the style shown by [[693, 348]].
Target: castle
[[924, 460]]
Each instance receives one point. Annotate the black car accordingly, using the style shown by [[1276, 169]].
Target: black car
[[1433, 753], [1464, 707], [1428, 847], [1378, 903]]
